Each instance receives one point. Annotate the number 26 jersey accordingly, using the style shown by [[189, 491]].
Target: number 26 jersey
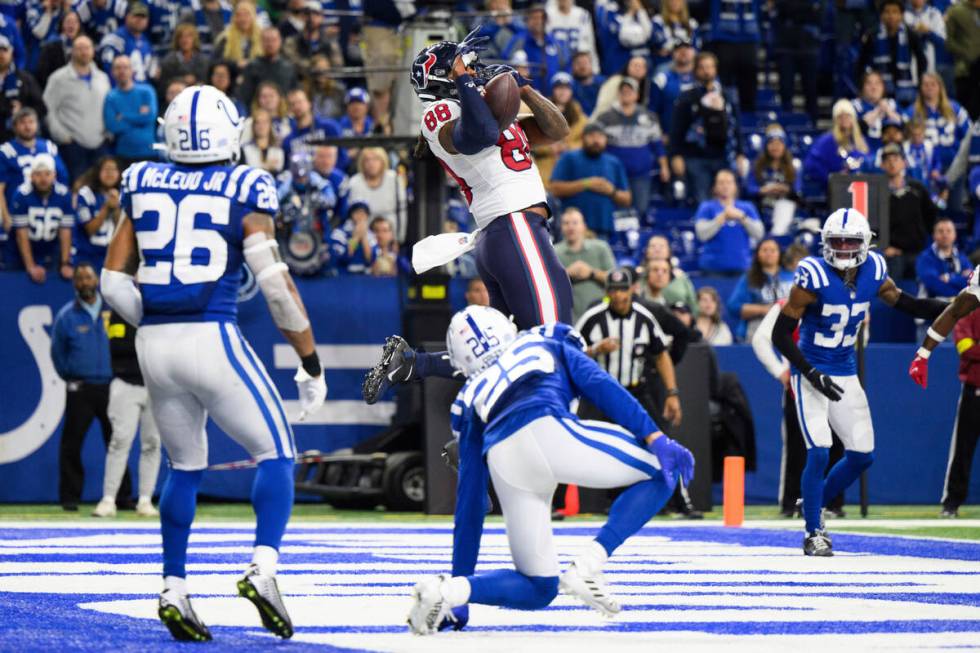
[[828, 330], [495, 181]]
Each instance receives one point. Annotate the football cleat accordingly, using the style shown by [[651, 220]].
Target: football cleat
[[396, 366], [105, 508], [430, 607], [817, 544], [263, 591], [178, 616], [590, 589]]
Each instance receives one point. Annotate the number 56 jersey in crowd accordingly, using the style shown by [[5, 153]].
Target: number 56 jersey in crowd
[[828, 330], [495, 181], [188, 225]]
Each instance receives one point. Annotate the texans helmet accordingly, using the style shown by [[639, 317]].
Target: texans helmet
[[430, 72]]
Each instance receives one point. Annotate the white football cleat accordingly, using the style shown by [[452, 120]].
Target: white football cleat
[[144, 508], [590, 589], [263, 591], [105, 508], [178, 616], [429, 606]]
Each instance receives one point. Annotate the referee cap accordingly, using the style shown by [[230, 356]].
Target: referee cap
[[619, 279]]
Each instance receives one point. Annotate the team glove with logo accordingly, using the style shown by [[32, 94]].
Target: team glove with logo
[[312, 392], [469, 48], [490, 71], [824, 384], [919, 370], [675, 460]]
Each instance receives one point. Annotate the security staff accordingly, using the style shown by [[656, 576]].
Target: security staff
[[966, 335]]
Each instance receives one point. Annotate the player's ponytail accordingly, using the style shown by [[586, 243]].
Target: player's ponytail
[[421, 148]]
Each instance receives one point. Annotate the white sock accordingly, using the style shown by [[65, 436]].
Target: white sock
[[457, 591], [592, 559], [175, 583], [265, 558]]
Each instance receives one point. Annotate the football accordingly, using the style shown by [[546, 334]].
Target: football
[[504, 99]]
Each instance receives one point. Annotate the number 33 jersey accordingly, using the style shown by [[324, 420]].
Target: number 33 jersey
[[828, 330], [188, 225], [495, 181]]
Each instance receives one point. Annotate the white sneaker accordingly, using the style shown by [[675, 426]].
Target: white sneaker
[[105, 508], [430, 606], [144, 508], [590, 589]]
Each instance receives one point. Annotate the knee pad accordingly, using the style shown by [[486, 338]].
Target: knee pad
[[545, 591], [861, 460]]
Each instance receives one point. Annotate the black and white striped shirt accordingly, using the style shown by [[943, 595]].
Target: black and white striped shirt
[[640, 340]]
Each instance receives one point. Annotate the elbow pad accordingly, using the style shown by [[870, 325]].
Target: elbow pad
[[122, 294], [262, 256]]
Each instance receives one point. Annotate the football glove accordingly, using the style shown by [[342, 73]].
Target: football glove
[[490, 71], [824, 384], [312, 392], [919, 370], [462, 617], [469, 48], [675, 460]]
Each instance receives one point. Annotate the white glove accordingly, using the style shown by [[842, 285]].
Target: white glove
[[312, 392]]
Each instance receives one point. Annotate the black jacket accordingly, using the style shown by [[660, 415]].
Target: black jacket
[[699, 132], [25, 91], [122, 350], [911, 215]]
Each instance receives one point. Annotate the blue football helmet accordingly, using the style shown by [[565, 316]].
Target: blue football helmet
[[430, 72]]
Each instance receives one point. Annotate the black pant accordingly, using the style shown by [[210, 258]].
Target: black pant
[[85, 402], [964, 444], [794, 458], [792, 60], [737, 66]]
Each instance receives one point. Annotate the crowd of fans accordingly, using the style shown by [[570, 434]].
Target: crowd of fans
[[678, 160]]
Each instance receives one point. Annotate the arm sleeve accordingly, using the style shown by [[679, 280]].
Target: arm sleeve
[[115, 122], [762, 344], [705, 227], [753, 226], [782, 339], [52, 100], [471, 493], [477, 128], [925, 308]]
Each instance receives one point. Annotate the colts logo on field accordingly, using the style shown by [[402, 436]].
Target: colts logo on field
[[420, 71]]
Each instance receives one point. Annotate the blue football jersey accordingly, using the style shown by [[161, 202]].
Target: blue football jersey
[[828, 330], [15, 163], [42, 217], [90, 248], [188, 224]]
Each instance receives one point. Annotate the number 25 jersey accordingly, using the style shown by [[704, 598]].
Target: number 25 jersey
[[188, 225], [495, 181], [828, 330]]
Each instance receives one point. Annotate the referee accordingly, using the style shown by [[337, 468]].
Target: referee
[[966, 431]]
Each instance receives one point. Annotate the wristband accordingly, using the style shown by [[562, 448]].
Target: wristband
[[932, 333], [585, 184], [923, 353], [311, 364], [673, 392]]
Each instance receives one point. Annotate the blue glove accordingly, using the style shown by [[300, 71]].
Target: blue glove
[[462, 614], [490, 71], [470, 47], [674, 459]]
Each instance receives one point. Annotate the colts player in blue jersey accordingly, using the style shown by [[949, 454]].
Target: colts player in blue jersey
[[185, 231], [830, 299], [513, 425]]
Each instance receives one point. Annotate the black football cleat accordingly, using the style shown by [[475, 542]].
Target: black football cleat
[[263, 591], [818, 544], [396, 366], [178, 616]]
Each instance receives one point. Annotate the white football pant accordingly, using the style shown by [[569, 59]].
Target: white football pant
[[850, 417]]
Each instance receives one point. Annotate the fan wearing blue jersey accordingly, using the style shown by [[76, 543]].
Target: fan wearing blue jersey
[[42, 216], [830, 299], [513, 425], [186, 228]]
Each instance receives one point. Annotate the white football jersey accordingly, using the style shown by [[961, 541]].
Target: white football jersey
[[495, 181]]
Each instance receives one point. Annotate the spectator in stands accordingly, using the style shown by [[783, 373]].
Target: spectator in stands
[[380, 41], [942, 269], [592, 180], [587, 83], [43, 217], [75, 95], [326, 93], [733, 35], [185, 59], [314, 40], [260, 149], [705, 134], [386, 263], [476, 293], [101, 17], [947, 123], [40, 25], [713, 329], [222, 76], [911, 215], [658, 247], [678, 286], [130, 114], [571, 28], [545, 55], [669, 83], [356, 121], [211, 18], [292, 20], [773, 175], [96, 211], [241, 40], [352, 246], [501, 28], [637, 69], [842, 149], [895, 51], [19, 90], [726, 225], [763, 285], [325, 172], [587, 260], [963, 43], [658, 274], [80, 353], [796, 48], [873, 109], [270, 66], [792, 256], [634, 137], [545, 156], [623, 30], [131, 40], [671, 27], [269, 99], [381, 188], [927, 21], [56, 52], [164, 16], [306, 126]]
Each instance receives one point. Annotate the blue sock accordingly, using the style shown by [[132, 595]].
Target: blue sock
[[512, 589], [812, 484], [845, 472], [632, 510], [432, 364], [178, 501], [272, 500]]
